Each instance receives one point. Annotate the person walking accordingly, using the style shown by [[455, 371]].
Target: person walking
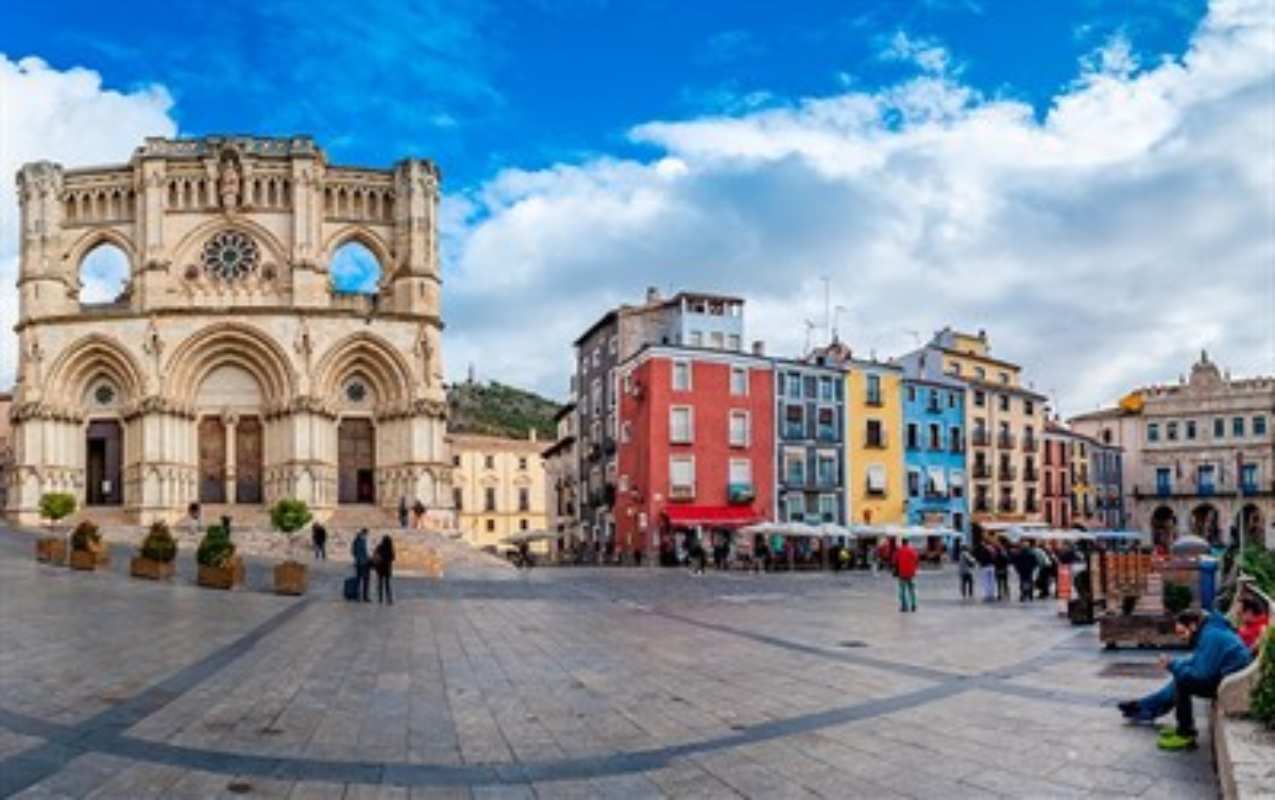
[[985, 559], [905, 564], [1001, 562], [362, 563], [1045, 566], [967, 565], [402, 513], [319, 536], [1025, 566], [383, 561]]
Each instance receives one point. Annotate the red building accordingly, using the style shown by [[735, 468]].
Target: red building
[[696, 447], [1055, 477]]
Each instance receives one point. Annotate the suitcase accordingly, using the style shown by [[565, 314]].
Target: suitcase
[[351, 588]]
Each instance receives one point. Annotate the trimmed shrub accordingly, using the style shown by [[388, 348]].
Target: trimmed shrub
[[216, 549], [1263, 707], [159, 544], [56, 505], [289, 516], [85, 536]]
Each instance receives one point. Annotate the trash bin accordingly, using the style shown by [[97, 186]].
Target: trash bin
[[1208, 583]]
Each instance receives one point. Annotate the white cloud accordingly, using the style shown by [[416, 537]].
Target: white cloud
[[68, 117], [926, 53], [1101, 245]]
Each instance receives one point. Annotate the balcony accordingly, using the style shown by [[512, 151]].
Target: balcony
[[681, 492], [1007, 505], [1005, 441], [874, 400], [914, 444], [956, 446], [1031, 474], [1163, 490], [1029, 444], [1008, 472], [933, 408], [935, 494], [877, 491], [740, 493], [1249, 489], [827, 434], [982, 470], [981, 438], [981, 507], [877, 442], [794, 430], [1204, 490], [1031, 506]]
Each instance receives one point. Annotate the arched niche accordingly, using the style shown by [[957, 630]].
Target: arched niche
[[104, 274], [355, 269]]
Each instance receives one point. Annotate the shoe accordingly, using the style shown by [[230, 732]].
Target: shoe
[[1129, 707], [1176, 742]]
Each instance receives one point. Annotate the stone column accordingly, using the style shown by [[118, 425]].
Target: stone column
[[231, 420]]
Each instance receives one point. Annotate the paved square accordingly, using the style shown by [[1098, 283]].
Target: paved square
[[557, 683]]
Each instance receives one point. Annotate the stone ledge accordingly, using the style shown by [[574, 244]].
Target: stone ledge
[[1245, 755]]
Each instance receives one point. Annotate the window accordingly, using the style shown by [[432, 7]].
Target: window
[[828, 507], [595, 395], [1163, 481], [1237, 426], [980, 373], [876, 479], [681, 425], [613, 345], [523, 525], [697, 339], [1106, 436], [681, 474], [874, 390], [1029, 407], [1004, 376], [489, 461], [597, 357], [794, 421], [716, 340], [956, 368], [1204, 478], [491, 526], [1170, 432], [1259, 426], [1219, 428], [951, 399], [681, 376], [1248, 478], [811, 385], [914, 483], [741, 472], [795, 467], [1004, 402], [794, 385], [738, 381], [795, 505], [489, 499], [734, 343], [1190, 429], [911, 394], [875, 434], [958, 483], [912, 436], [458, 499], [954, 439], [522, 463], [626, 432], [739, 429], [827, 423], [456, 460], [524, 499], [936, 482], [1153, 431], [825, 389], [936, 437], [826, 468], [980, 399]]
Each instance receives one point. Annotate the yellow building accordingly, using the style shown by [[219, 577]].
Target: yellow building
[[874, 420], [1006, 424], [499, 487]]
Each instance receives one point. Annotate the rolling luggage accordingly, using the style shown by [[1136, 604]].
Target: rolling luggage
[[351, 588]]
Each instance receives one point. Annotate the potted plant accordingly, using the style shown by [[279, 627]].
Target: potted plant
[[218, 566], [155, 556], [54, 506], [289, 516], [85, 545]]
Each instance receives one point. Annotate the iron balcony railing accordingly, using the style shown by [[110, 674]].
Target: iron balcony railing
[[1005, 441], [981, 438]]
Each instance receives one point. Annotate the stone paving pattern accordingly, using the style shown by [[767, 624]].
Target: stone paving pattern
[[557, 683]]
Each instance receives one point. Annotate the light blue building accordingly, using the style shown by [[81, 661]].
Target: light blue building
[[810, 423], [934, 448]]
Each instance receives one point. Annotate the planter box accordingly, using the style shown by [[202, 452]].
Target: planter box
[[50, 549], [84, 560], [101, 553], [290, 577], [150, 569], [226, 577], [1140, 630]]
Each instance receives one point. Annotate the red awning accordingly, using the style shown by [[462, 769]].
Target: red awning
[[719, 516]]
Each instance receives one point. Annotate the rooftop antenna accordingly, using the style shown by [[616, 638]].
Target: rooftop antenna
[[827, 306], [810, 326], [836, 319]]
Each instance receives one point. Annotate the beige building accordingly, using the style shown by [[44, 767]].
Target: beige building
[[562, 481], [6, 446], [230, 371], [1005, 422], [499, 487]]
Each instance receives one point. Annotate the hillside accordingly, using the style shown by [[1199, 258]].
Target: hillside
[[498, 410]]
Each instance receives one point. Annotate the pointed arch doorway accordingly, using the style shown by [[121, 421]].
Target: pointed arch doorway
[[356, 461]]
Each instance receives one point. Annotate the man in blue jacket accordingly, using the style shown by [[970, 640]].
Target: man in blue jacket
[[362, 563], [1218, 651]]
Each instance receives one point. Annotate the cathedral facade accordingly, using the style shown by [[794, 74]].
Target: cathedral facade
[[230, 370]]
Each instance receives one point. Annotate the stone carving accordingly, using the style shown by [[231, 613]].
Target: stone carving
[[304, 347], [425, 350], [228, 183], [153, 345]]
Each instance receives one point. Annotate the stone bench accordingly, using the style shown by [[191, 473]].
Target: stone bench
[[1237, 757]]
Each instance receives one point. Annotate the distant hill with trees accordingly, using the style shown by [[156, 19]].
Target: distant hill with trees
[[494, 409]]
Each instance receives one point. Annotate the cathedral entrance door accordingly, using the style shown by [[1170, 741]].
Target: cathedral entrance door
[[104, 463], [212, 460], [248, 460], [356, 461]]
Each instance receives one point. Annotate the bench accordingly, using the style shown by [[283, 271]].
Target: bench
[[1235, 694]]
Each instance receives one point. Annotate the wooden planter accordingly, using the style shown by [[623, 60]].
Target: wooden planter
[[101, 553], [141, 567], [227, 577], [85, 560], [50, 549], [290, 577], [1139, 630]]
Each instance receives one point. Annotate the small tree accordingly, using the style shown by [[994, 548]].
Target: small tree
[[289, 516], [56, 505], [215, 549], [159, 544], [85, 537]]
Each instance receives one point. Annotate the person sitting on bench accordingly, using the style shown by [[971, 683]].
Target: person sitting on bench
[[1218, 651], [1254, 618]]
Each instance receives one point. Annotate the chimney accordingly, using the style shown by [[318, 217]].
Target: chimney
[[982, 334], [652, 295], [759, 347]]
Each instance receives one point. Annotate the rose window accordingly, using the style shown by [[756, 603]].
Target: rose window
[[230, 255], [356, 392], [104, 395]]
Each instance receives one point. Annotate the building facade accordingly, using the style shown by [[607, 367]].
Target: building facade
[[934, 451], [1056, 494], [1118, 427], [1106, 486], [874, 416], [810, 430], [1004, 421], [562, 480], [230, 371], [689, 318], [499, 487], [696, 448], [6, 448]]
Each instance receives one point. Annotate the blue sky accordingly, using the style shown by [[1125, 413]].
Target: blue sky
[[1054, 172]]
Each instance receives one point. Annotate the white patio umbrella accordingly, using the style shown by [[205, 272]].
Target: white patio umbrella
[[1190, 545]]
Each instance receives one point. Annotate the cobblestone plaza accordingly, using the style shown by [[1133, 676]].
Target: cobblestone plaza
[[558, 683]]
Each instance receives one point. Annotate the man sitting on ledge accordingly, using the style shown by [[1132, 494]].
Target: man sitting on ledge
[[1218, 652]]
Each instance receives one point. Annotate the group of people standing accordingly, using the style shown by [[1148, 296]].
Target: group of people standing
[[379, 559], [990, 561]]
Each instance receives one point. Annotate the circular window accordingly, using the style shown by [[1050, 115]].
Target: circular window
[[104, 395], [356, 391], [230, 255]]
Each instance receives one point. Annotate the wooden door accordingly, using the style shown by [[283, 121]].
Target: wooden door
[[212, 460], [248, 460], [104, 461], [356, 461]]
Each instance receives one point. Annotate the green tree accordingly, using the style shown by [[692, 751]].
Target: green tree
[[288, 516], [56, 505]]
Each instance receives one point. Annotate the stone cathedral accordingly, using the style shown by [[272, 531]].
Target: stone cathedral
[[230, 371]]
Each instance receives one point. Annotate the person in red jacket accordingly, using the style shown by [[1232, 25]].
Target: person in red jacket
[[1254, 617], [905, 561]]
